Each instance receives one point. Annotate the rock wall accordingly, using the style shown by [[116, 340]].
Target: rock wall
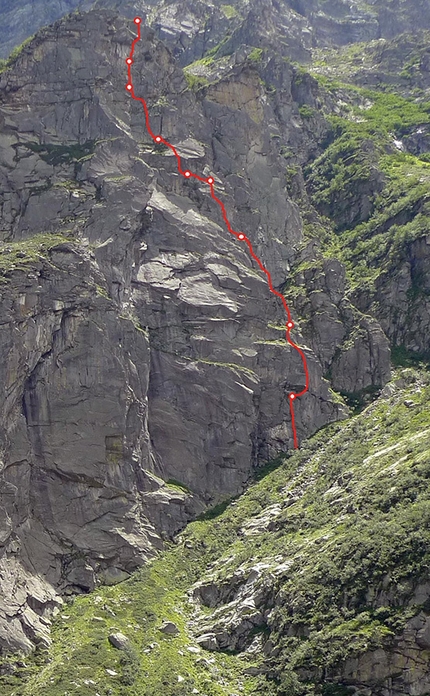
[[144, 362], [401, 302]]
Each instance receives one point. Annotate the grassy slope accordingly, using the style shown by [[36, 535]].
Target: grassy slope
[[361, 164], [356, 486]]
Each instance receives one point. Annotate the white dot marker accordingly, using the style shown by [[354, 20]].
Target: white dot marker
[[129, 87], [292, 397], [290, 325], [137, 20], [158, 139], [129, 61], [241, 236], [187, 173], [210, 180]]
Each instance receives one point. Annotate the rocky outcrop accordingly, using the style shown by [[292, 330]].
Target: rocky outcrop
[[242, 604], [71, 507], [401, 301], [351, 346], [19, 20], [402, 669], [169, 628], [342, 21]]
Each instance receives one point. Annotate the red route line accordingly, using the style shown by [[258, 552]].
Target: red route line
[[239, 235]]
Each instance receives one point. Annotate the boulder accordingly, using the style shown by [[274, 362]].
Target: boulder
[[207, 641], [169, 628], [119, 641]]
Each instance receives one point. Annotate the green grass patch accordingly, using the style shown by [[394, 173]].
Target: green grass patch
[[395, 66], [14, 55], [255, 55], [306, 111], [229, 11], [60, 154], [268, 468], [173, 483], [195, 82], [360, 399], [216, 510], [392, 113], [82, 661], [207, 61], [212, 53], [18, 256], [338, 535], [401, 357]]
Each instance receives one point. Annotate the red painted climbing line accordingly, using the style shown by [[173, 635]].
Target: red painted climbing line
[[239, 235]]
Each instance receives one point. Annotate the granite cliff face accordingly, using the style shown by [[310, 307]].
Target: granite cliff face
[[142, 346], [144, 365]]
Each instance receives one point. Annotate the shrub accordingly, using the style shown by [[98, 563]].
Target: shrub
[[306, 111], [255, 55]]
